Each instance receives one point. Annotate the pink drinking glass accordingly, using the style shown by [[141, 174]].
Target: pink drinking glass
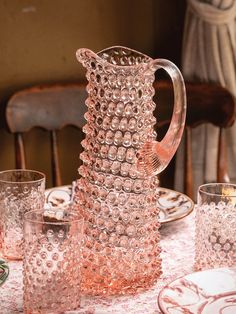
[[215, 244], [20, 191], [51, 264]]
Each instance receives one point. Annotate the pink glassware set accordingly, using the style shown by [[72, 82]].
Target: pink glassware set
[[115, 200], [116, 194]]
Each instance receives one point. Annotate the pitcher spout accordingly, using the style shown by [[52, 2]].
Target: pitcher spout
[[86, 57]]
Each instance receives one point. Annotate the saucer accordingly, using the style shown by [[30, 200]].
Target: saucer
[[173, 205], [206, 292]]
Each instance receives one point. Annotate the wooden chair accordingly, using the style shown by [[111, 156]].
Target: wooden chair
[[206, 103], [54, 107], [49, 107]]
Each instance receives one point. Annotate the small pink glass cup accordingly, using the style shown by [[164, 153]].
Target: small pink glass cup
[[215, 242], [51, 264], [20, 191]]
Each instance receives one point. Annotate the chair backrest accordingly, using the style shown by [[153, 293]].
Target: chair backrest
[[49, 107], [57, 106], [206, 103]]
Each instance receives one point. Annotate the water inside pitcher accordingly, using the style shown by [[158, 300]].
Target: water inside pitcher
[[116, 193]]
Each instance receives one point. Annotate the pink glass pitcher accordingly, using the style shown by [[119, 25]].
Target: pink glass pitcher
[[116, 193]]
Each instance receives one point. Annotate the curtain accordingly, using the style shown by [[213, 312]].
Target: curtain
[[209, 54]]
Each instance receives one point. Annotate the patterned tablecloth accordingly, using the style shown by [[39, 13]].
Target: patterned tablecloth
[[177, 260]]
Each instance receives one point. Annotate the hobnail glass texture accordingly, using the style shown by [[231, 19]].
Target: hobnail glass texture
[[20, 191], [215, 244], [51, 264], [121, 252]]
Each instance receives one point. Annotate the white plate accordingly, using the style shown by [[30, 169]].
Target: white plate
[[173, 205], [211, 291]]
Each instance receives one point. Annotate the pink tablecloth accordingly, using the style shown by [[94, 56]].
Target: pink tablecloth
[[177, 256]]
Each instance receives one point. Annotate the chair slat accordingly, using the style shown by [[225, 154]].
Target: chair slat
[[188, 166], [20, 161], [56, 173], [222, 169]]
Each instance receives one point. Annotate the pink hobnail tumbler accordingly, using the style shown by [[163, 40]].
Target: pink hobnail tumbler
[[215, 226], [51, 264], [20, 191]]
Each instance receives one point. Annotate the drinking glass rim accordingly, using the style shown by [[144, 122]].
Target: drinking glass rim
[[64, 222], [201, 188], [43, 176]]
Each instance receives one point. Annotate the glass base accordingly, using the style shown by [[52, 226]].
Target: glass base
[[118, 287]]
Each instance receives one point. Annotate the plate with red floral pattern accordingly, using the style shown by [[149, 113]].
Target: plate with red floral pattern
[[210, 291]]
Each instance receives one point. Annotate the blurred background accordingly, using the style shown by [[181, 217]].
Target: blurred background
[[38, 41]]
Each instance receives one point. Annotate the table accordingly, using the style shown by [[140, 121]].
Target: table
[[177, 260]]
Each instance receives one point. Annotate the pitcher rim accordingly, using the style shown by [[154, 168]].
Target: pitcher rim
[[97, 56]]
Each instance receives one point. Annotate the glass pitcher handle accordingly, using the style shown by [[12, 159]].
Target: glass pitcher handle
[[155, 156]]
